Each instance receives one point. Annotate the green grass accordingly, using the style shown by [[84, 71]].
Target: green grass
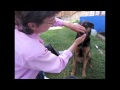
[[62, 39]]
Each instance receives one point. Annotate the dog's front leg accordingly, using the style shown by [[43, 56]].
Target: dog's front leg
[[85, 61], [89, 59], [74, 65]]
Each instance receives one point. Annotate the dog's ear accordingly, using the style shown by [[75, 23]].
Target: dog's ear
[[84, 24], [92, 25]]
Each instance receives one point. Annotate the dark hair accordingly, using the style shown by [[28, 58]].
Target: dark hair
[[17, 18], [37, 17]]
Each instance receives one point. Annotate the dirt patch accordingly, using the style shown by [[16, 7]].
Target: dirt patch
[[101, 36], [102, 33]]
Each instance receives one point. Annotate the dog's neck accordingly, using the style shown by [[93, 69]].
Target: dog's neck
[[85, 43]]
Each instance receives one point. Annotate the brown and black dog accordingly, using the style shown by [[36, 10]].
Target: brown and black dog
[[82, 53]]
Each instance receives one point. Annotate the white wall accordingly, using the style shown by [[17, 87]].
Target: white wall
[[77, 15]]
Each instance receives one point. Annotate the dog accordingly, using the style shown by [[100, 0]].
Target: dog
[[82, 53]]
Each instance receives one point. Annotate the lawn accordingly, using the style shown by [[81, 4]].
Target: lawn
[[61, 39]]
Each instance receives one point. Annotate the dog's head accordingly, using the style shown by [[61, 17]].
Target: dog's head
[[88, 26]]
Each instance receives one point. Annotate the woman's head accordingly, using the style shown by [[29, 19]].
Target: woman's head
[[35, 21]]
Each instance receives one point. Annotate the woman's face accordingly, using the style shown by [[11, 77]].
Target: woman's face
[[47, 23]]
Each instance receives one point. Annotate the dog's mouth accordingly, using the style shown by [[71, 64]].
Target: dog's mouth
[[88, 31], [80, 34]]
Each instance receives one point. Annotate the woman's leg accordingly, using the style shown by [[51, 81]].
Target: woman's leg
[[40, 75]]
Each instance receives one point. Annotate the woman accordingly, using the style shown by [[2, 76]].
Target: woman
[[31, 56]]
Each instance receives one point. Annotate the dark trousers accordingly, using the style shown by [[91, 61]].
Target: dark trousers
[[40, 75]]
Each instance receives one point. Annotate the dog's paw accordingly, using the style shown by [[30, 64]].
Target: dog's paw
[[84, 75], [90, 65], [72, 74]]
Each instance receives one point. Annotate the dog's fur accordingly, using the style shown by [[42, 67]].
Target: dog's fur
[[82, 53]]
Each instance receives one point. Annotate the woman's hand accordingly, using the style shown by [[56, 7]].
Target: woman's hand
[[78, 28], [78, 41], [74, 26]]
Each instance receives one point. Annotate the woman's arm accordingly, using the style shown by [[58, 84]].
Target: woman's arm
[[43, 60], [73, 26], [48, 62]]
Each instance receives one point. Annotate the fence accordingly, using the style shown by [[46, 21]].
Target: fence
[[75, 15]]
